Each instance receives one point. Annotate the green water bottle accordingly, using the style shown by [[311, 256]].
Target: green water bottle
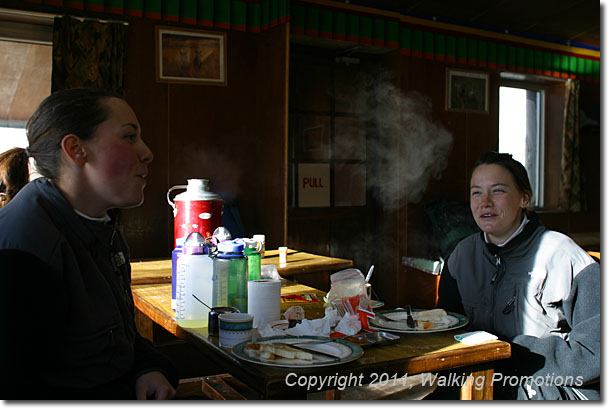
[[230, 274], [252, 253]]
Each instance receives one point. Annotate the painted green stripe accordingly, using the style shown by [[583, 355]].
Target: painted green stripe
[[595, 69], [379, 29], [451, 43], [366, 27], [462, 48], [588, 67], [580, 66], [283, 8], [556, 63], [565, 64], [482, 48], [188, 9], [312, 19], [439, 45], [529, 58], [205, 10], [98, 3], [266, 14], [222, 11], [428, 42], [492, 52], [511, 56], [473, 50], [238, 13], [520, 57], [572, 65], [153, 6], [326, 21], [172, 8], [405, 38], [392, 29], [273, 11], [538, 60], [254, 15], [417, 41], [547, 64], [340, 23], [297, 16], [501, 56], [352, 25]]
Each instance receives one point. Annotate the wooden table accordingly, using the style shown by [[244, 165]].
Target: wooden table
[[301, 267], [412, 354]]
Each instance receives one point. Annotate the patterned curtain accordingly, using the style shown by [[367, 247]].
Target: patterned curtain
[[87, 54], [571, 184]]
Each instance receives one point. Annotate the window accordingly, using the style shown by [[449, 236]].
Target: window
[[521, 132], [25, 71]]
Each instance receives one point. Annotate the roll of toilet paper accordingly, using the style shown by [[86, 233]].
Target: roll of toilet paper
[[264, 297]]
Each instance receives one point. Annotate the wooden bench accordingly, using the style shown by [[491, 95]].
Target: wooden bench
[[217, 387]]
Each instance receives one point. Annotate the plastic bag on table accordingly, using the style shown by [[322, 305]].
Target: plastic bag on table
[[348, 291]]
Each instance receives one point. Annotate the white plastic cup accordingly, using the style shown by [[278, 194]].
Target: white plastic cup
[[234, 328], [283, 254]]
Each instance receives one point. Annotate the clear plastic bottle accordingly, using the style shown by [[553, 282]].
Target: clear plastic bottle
[[194, 283], [231, 275]]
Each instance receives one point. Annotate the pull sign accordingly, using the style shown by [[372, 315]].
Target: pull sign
[[314, 185]]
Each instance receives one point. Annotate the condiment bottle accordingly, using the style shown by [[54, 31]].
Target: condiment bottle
[[194, 283], [230, 275], [252, 253]]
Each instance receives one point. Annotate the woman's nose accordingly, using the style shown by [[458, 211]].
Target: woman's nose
[[147, 155]]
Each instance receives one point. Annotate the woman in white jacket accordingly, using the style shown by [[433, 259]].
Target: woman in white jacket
[[532, 287]]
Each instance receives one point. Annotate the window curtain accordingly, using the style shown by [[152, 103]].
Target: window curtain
[[571, 184], [87, 54]]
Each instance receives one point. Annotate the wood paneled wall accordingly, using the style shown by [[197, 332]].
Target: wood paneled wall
[[233, 135]]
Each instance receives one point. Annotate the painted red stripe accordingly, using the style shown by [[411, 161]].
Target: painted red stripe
[[379, 43], [95, 7], [512, 68], [482, 64], [206, 23], [116, 10], [326, 34], [451, 59], [188, 20], [391, 44], [405, 52], [172, 18], [238, 27], [311, 32], [530, 70], [222, 25], [265, 26], [254, 29], [492, 65], [134, 13], [339, 36], [428, 56], [75, 5], [151, 15], [417, 54], [462, 60], [366, 40], [472, 63], [352, 38], [440, 57], [298, 31]]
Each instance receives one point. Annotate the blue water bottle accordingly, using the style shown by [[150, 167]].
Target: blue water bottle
[[231, 275]]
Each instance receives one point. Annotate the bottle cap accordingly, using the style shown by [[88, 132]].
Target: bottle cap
[[235, 246], [194, 244]]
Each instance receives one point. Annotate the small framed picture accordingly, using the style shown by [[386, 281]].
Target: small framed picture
[[191, 56], [467, 91]]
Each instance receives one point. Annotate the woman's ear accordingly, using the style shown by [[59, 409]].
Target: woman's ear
[[74, 149], [525, 200]]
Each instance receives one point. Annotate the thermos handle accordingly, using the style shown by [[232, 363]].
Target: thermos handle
[[169, 200]]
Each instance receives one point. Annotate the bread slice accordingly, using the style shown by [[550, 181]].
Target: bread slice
[[280, 351], [432, 315]]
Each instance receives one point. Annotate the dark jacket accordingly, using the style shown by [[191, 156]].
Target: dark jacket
[[67, 304], [541, 293]]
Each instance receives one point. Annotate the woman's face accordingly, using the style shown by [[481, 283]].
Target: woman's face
[[496, 202], [117, 158]]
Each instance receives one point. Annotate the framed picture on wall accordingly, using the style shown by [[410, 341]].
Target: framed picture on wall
[[467, 91], [191, 56]]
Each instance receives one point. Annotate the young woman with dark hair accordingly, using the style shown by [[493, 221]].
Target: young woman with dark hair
[[66, 306]]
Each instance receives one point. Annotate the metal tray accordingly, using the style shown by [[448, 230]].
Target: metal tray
[[372, 339]]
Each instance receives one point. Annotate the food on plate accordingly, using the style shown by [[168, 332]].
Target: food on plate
[[427, 319], [433, 315], [268, 351]]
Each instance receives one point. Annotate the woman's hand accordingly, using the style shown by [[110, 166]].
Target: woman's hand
[[154, 386]]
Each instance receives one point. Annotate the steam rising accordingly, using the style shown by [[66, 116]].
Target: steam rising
[[412, 147]]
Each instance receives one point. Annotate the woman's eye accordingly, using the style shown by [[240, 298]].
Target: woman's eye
[[131, 137]]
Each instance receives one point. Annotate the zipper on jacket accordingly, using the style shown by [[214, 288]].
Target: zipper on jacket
[[498, 268], [509, 306]]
